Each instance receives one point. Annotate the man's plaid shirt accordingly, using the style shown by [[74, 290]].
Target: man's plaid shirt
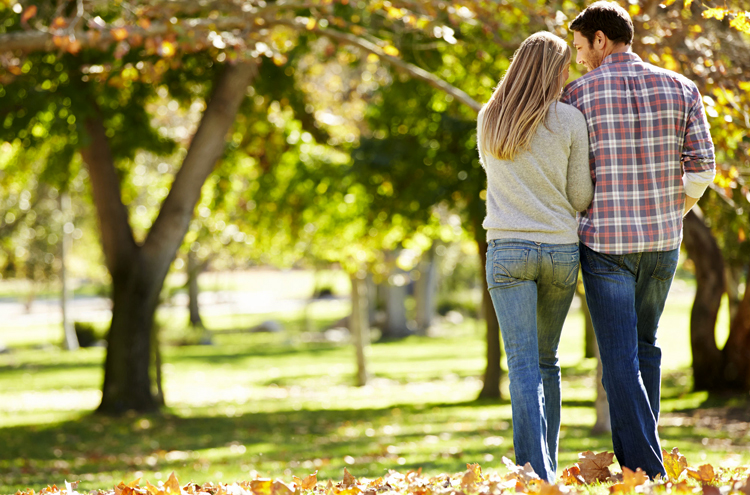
[[646, 125]]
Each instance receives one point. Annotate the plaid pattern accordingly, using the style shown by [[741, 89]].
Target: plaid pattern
[[646, 126]]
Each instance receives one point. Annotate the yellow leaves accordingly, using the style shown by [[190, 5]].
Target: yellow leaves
[[172, 485], [394, 13], [687, 4], [666, 3], [630, 480], [674, 463], [308, 483], [591, 468], [572, 476], [715, 13], [311, 23], [261, 486], [704, 474], [391, 50], [595, 467], [741, 22]]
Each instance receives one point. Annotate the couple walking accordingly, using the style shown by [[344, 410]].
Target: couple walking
[[627, 145]]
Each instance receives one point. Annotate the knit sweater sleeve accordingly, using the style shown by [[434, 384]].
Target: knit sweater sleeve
[[579, 187]]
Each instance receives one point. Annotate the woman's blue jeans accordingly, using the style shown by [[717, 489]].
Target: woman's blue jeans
[[532, 285], [626, 294]]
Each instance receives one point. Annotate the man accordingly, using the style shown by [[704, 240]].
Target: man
[[651, 158]]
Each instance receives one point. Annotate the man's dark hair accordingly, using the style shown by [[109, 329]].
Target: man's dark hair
[[607, 17]]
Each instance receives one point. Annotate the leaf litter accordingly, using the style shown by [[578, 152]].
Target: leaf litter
[[592, 471]]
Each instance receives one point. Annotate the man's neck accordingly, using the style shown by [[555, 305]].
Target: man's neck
[[616, 48]]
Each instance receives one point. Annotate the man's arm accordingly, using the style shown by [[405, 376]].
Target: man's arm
[[689, 203], [697, 155], [695, 184]]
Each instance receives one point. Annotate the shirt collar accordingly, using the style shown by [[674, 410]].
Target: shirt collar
[[615, 58]]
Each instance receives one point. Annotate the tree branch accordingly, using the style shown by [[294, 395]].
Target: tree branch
[[411, 69], [206, 148], [117, 237]]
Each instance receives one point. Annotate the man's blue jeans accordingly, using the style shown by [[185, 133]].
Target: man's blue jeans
[[532, 285], [626, 295]]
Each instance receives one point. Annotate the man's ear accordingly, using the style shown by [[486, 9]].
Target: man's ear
[[600, 39]]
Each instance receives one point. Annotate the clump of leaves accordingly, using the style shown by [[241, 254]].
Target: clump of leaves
[[591, 470]]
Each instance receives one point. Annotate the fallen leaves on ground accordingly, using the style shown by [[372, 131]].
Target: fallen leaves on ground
[[590, 471]]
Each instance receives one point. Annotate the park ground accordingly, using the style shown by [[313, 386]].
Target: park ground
[[282, 403]]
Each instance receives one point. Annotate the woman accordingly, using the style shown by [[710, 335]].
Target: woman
[[534, 150]]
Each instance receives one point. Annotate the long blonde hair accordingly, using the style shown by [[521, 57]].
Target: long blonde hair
[[520, 102]]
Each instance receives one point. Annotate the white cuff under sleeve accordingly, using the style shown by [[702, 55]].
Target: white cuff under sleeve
[[696, 182]]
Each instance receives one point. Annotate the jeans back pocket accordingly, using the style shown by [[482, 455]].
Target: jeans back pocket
[[666, 265], [509, 265], [564, 268]]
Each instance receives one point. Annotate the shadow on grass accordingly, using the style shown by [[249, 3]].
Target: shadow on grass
[[40, 454]]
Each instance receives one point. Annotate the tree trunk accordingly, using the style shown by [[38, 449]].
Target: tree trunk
[[138, 272], [736, 352], [733, 276], [425, 291], [395, 298], [127, 377], [70, 339], [493, 373], [193, 270], [359, 326], [709, 273]]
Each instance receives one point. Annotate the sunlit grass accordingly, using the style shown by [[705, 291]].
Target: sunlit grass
[[283, 404]]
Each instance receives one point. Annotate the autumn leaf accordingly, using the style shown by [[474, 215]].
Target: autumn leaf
[[473, 467], [261, 486], [308, 483], [630, 480], [523, 473], [349, 480], [675, 463], [281, 488], [704, 473], [468, 480], [376, 483], [711, 490], [172, 485], [716, 13], [572, 476], [595, 467], [28, 14], [547, 489], [741, 22]]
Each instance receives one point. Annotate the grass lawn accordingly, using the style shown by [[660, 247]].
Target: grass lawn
[[278, 404]]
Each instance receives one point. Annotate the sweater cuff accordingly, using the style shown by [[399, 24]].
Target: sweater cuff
[[696, 182]]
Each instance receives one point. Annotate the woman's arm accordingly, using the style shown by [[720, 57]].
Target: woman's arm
[[579, 187]]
